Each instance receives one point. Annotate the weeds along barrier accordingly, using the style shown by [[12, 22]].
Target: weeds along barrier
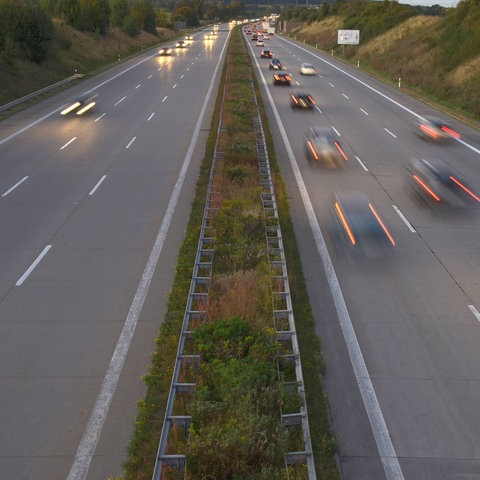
[[283, 318], [195, 312], [176, 422]]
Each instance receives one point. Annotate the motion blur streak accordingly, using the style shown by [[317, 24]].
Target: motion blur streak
[[426, 187], [70, 108], [450, 132], [345, 223], [344, 155], [86, 108], [313, 150], [377, 216], [429, 131], [463, 187]]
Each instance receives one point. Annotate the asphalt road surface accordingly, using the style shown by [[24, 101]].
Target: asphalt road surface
[[400, 332], [92, 213]]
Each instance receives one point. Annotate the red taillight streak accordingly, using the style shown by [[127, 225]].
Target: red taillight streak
[[345, 223], [450, 132], [313, 150], [311, 100], [463, 187], [339, 148], [294, 99], [429, 131], [426, 187], [377, 216]]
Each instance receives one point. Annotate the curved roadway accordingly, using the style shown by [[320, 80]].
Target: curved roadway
[[92, 212], [400, 334]]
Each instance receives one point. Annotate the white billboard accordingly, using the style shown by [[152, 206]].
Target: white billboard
[[348, 37]]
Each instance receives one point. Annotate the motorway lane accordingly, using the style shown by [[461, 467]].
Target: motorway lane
[[413, 313], [96, 191]]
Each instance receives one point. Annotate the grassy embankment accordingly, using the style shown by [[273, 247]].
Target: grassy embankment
[[73, 51], [236, 428], [434, 63]]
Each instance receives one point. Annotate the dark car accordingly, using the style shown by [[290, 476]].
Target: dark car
[[181, 44], [322, 146], [266, 54], [81, 104], [358, 226], [435, 129], [275, 64], [438, 184], [165, 51], [282, 78], [301, 100]]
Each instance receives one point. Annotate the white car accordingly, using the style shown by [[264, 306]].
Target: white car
[[307, 69]]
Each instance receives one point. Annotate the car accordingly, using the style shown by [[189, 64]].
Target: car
[[165, 51], [357, 225], [321, 145], [189, 38], [266, 54], [181, 44], [307, 69], [209, 36], [438, 184], [254, 37], [81, 105], [260, 43], [282, 78], [435, 129], [275, 64], [300, 99]]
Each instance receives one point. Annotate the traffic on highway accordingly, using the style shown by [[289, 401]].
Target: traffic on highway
[[385, 199]]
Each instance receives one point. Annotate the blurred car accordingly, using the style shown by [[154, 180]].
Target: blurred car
[[181, 44], [275, 64], [260, 43], [307, 69], [321, 145], [266, 54], [165, 51], [358, 226], [435, 129], [81, 104], [209, 36], [189, 38], [254, 37], [439, 184], [282, 78], [301, 100]]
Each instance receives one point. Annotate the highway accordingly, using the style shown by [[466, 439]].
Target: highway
[[92, 212], [400, 332]]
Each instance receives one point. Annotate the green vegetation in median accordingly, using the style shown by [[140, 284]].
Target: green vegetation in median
[[236, 430]]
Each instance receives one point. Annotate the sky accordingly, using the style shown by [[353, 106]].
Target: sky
[[429, 3]]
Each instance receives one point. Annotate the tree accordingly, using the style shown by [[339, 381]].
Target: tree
[[143, 11], [119, 10]]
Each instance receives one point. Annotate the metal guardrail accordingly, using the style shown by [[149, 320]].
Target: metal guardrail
[[14, 103]]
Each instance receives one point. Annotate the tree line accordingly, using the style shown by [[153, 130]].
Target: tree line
[[27, 27]]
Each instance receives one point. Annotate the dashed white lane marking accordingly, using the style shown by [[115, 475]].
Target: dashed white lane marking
[[94, 189], [404, 218], [15, 186], [475, 312], [130, 142], [68, 143], [33, 265], [361, 163]]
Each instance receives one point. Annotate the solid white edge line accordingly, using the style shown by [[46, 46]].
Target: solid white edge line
[[32, 266], [380, 431], [404, 218], [94, 189], [88, 443], [11, 189], [475, 312]]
